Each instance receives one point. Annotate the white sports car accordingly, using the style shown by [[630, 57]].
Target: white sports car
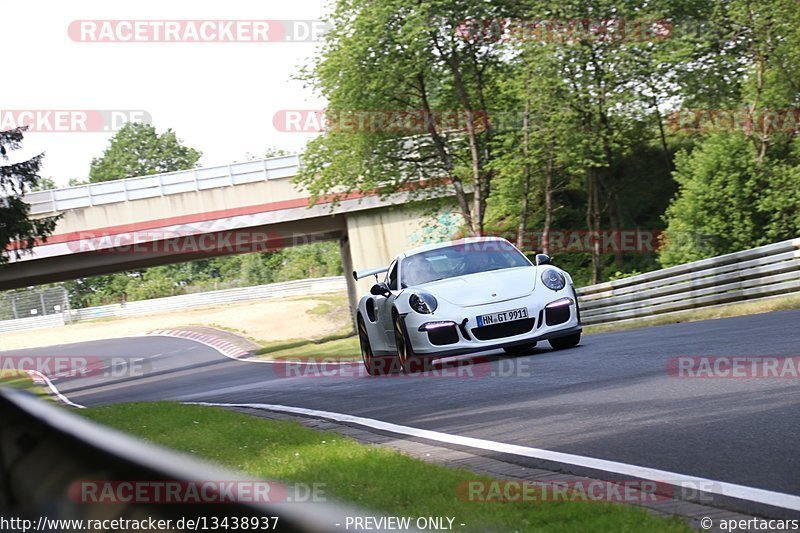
[[461, 297]]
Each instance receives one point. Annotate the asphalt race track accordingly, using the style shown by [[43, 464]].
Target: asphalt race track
[[609, 398]]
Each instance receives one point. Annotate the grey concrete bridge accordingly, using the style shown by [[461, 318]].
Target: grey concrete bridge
[[194, 214]]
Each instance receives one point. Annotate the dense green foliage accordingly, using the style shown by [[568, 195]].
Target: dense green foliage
[[312, 260], [576, 127]]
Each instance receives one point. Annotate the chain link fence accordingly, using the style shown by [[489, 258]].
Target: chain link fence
[[34, 302]]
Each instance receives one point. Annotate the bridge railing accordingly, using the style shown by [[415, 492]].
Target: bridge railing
[[197, 179], [765, 272]]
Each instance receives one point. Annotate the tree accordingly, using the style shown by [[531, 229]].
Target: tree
[[18, 231], [135, 150], [45, 184], [738, 188], [138, 150], [715, 211], [270, 151], [408, 93]]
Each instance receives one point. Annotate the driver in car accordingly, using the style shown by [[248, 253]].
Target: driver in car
[[478, 262], [417, 270]]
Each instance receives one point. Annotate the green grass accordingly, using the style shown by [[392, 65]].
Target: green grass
[[371, 477], [20, 380], [342, 345], [340, 349]]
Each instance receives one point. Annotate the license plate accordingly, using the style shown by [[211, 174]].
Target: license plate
[[501, 317]]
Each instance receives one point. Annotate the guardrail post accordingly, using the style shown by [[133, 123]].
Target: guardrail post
[[230, 175]]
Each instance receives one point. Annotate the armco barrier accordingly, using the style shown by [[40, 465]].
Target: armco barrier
[[764, 272], [48, 454], [44, 321]]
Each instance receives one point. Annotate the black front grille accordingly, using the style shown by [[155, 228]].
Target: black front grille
[[556, 315], [443, 335], [506, 329]]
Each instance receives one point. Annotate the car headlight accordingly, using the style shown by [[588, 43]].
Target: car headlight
[[423, 303], [553, 279]]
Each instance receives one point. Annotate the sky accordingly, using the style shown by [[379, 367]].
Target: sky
[[219, 98]]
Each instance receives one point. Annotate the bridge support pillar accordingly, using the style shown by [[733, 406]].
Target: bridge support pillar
[[347, 266]]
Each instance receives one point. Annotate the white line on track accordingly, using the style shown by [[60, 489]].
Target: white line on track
[[775, 499], [53, 388]]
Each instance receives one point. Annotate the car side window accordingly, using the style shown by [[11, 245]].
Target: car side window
[[391, 277]]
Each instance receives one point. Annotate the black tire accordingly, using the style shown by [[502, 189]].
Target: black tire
[[559, 343], [367, 357], [375, 365], [520, 349], [410, 362]]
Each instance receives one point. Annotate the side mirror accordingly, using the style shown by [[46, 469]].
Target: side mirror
[[380, 289], [542, 259]]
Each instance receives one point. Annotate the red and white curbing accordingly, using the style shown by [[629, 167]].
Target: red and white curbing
[[224, 347]]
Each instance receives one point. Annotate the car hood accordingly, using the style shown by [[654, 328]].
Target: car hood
[[485, 287]]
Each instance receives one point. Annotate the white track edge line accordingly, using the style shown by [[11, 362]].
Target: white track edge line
[[55, 391], [732, 490]]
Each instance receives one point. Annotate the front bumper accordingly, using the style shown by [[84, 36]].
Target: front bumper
[[455, 331]]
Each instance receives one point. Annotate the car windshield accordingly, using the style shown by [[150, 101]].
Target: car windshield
[[460, 260]]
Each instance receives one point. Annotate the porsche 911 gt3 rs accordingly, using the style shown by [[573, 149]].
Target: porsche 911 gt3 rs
[[462, 297]]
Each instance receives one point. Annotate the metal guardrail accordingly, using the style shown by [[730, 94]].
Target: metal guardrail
[[184, 301], [48, 454], [44, 321], [763, 272], [194, 180]]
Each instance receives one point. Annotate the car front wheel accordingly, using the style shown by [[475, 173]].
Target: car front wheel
[[559, 343], [366, 349], [410, 362]]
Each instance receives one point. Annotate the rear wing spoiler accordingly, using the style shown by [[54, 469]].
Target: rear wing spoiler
[[360, 274]]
